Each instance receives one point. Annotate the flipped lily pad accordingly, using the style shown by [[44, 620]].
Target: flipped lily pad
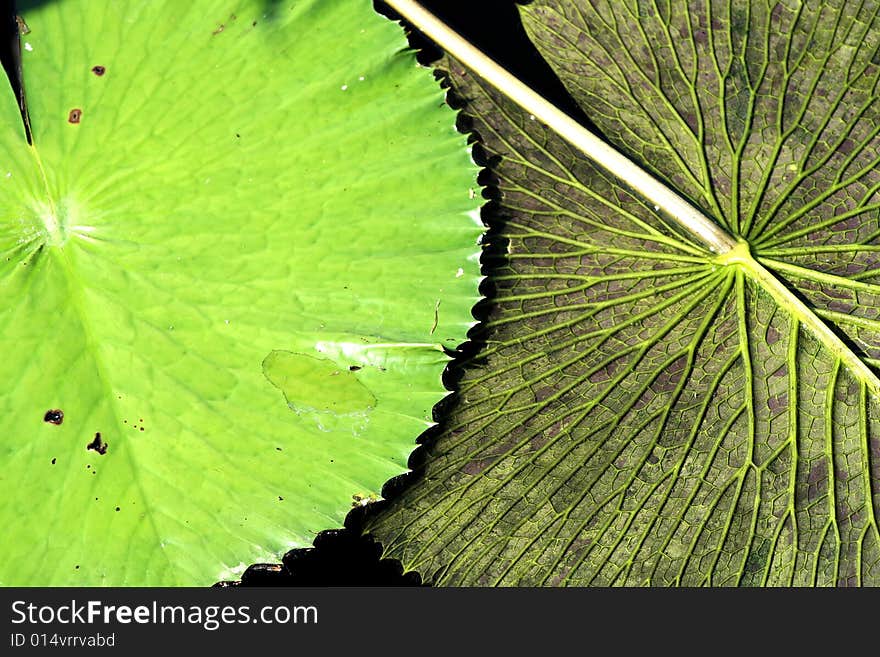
[[648, 410]]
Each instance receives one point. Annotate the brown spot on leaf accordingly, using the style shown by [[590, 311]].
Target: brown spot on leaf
[[817, 480], [54, 416], [222, 26], [98, 445], [777, 402], [99, 70], [477, 466], [74, 116]]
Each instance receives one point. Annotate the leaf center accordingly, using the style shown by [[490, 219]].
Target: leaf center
[[739, 254]]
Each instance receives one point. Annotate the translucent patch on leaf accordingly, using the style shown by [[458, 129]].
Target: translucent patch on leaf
[[318, 389]]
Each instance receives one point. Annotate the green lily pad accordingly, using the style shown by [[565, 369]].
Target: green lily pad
[[213, 188]]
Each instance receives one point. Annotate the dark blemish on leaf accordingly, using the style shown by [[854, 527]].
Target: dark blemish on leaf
[[777, 402], [142, 428], [98, 445], [278, 448], [53, 461], [88, 466], [117, 508], [254, 24], [54, 416], [436, 316], [538, 442], [74, 116], [99, 70], [280, 499], [76, 567], [477, 466], [757, 560], [354, 368], [817, 480], [222, 26]]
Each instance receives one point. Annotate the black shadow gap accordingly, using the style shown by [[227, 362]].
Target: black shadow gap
[[10, 56]]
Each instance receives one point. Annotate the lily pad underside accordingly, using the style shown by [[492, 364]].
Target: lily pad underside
[[648, 411]]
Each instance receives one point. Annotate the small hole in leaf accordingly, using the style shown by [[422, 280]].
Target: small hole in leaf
[[98, 445]]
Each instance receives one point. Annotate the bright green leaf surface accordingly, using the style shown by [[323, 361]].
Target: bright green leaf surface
[[242, 191], [646, 412]]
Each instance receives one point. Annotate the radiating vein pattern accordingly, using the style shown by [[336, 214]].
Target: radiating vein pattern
[[763, 112], [641, 414]]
